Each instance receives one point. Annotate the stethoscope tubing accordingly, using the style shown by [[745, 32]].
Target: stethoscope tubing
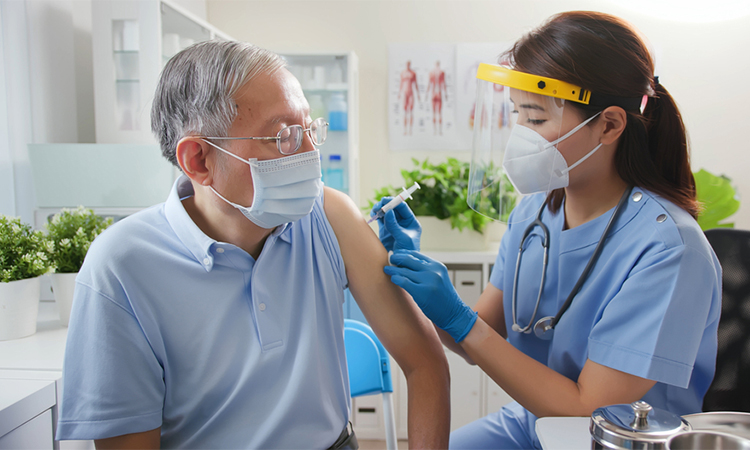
[[545, 244], [593, 259]]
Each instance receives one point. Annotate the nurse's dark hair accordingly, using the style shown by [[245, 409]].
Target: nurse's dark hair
[[196, 90], [605, 55]]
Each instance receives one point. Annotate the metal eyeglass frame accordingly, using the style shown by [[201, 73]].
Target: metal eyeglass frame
[[319, 122]]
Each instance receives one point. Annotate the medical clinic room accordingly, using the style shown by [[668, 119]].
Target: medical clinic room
[[374, 224]]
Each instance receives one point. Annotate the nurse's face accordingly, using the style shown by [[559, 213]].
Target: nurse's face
[[552, 118]]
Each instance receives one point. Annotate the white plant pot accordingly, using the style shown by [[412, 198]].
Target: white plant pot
[[19, 307], [63, 285], [437, 235]]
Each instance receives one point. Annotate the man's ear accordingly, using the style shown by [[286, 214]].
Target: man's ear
[[615, 119], [197, 160]]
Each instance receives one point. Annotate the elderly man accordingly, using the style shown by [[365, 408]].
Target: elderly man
[[215, 320]]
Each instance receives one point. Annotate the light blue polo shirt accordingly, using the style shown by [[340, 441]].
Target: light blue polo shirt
[[650, 306], [170, 328]]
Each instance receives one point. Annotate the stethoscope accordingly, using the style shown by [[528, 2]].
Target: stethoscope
[[544, 327]]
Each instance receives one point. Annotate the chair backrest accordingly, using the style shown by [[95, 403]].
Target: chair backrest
[[369, 363], [730, 389]]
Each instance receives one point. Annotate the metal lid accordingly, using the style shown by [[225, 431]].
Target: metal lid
[[623, 426]]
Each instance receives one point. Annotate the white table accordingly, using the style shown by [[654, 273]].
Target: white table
[[563, 433], [27, 414]]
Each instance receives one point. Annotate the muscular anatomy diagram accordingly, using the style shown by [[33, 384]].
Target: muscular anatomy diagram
[[408, 88], [436, 90]]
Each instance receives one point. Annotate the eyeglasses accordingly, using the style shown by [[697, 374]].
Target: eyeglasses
[[289, 139]]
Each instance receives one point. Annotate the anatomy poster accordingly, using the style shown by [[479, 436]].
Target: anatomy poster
[[421, 96], [431, 94]]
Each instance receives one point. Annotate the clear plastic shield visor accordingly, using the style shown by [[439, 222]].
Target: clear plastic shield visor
[[514, 148]]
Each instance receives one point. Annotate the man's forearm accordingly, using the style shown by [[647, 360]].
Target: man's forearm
[[429, 408]]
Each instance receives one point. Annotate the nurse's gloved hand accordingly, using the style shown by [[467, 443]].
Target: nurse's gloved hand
[[429, 284], [399, 229]]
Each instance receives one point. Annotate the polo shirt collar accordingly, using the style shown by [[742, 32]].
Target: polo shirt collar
[[186, 230]]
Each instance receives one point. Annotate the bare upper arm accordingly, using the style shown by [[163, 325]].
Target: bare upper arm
[[393, 315], [145, 440], [490, 309]]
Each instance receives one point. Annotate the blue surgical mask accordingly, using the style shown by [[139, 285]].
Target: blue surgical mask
[[285, 188]]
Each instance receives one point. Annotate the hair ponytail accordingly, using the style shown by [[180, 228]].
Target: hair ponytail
[[668, 147]]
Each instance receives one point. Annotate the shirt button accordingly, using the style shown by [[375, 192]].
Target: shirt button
[[219, 250], [262, 307], [661, 218], [206, 261], [637, 196]]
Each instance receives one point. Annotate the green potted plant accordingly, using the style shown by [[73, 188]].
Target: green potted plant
[[718, 197], [441, 201], [24, 258], [71, 233]]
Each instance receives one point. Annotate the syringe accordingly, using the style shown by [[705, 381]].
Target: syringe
[[397, 200]]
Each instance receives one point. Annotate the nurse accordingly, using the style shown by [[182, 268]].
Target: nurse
[[604, 290]]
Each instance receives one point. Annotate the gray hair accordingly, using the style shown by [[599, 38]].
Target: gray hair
[[196, 89]]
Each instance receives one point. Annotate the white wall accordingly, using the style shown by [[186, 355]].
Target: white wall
[[704, 66]]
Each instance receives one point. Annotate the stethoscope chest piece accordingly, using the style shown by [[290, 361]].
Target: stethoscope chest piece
[[543, 328]]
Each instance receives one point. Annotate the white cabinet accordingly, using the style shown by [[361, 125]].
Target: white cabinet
[[132, 40], [26, 419], [330, 83]]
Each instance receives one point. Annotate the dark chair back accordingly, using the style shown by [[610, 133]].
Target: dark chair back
[[730, 389]]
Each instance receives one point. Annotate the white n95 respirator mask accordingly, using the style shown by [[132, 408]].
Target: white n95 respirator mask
[[285, 188], [534, 164]]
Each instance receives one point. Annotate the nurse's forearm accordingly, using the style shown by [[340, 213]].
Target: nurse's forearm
[[535, 386], [448, 341]]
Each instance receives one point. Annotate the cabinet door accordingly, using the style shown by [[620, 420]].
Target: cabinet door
[[367, 417], [468, 285], [465, 391]]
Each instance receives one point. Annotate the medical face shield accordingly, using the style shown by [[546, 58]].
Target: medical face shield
[[519, 119]]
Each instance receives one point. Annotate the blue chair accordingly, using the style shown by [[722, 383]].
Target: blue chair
[[370, 371]]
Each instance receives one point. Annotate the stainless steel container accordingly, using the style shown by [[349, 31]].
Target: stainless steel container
[[636, 426], [737, 423], [707, 440]]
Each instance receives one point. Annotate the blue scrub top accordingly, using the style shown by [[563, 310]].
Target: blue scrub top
[[650, 306]]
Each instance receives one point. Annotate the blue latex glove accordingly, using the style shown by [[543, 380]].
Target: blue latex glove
[[429, 284], [399, 229]]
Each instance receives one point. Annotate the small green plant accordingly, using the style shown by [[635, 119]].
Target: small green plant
[[24, 253], [444, 188], [718, 197], [71, 233]]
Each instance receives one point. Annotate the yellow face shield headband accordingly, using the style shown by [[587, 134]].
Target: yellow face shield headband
[[533, 83], [551, 87]]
